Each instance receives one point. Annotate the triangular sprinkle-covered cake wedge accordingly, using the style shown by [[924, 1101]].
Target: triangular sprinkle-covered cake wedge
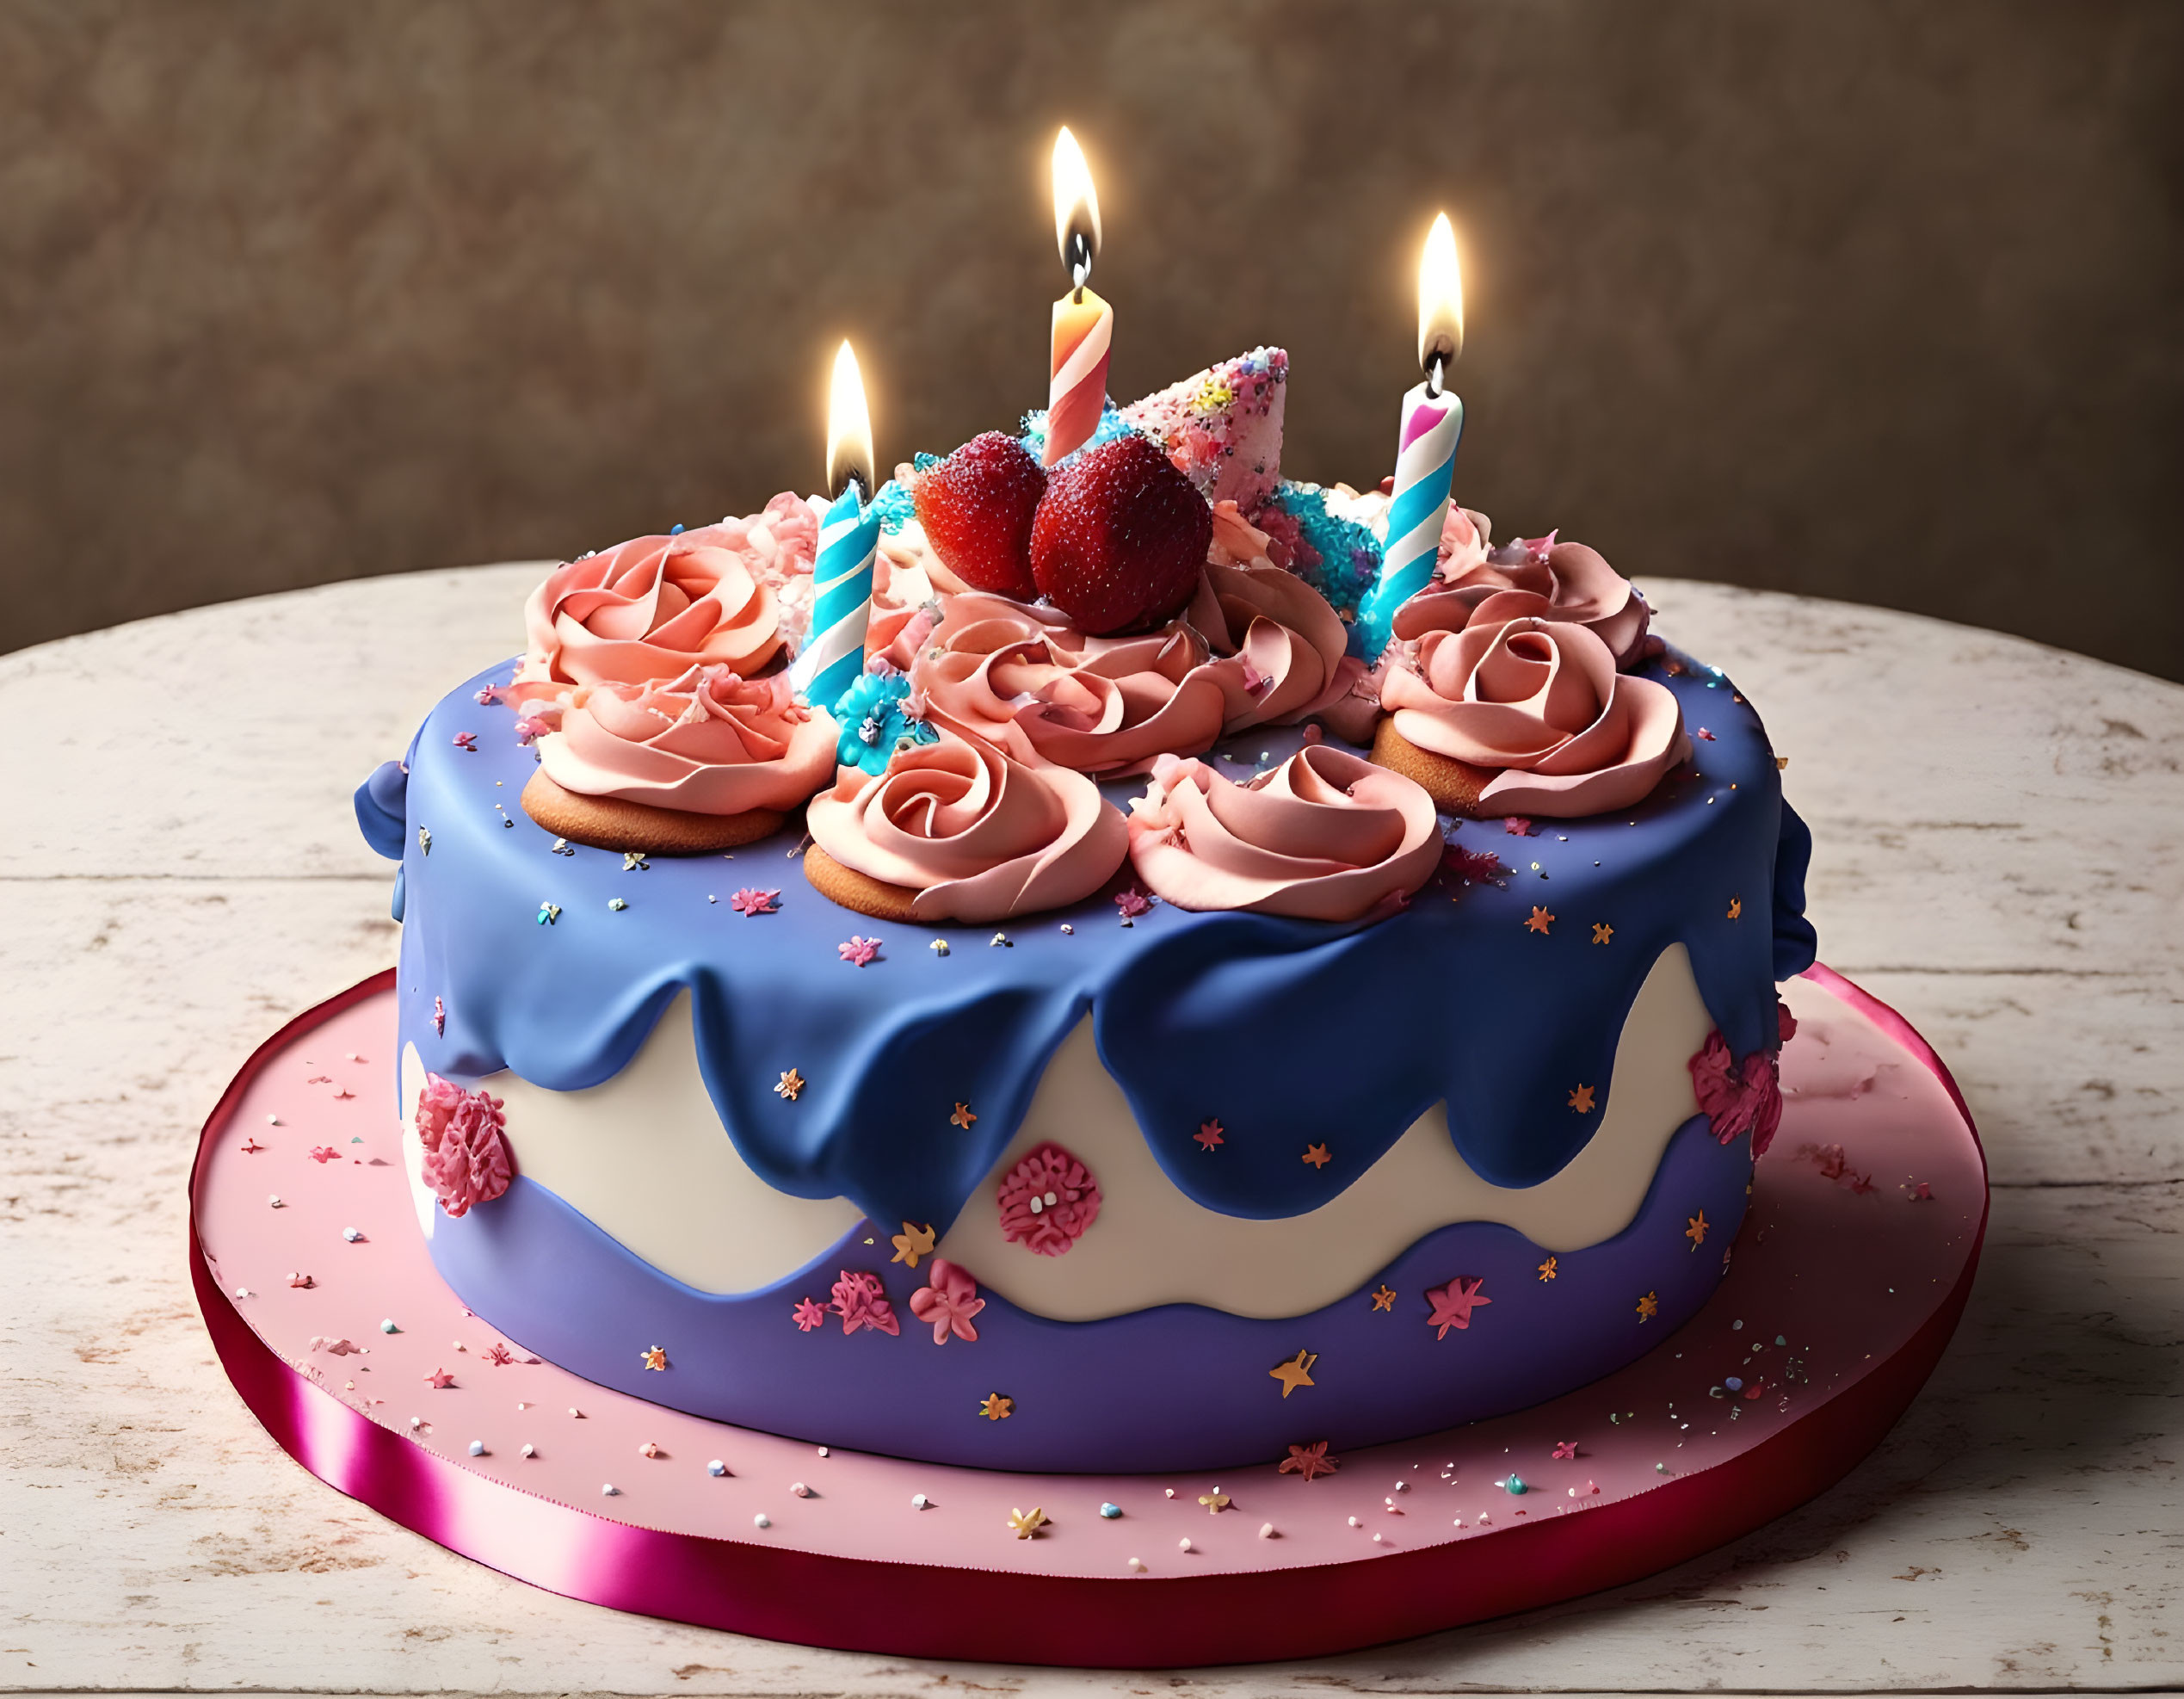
[[1222, 426]]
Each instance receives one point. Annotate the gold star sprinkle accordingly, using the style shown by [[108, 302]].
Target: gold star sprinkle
[[656, 1357], [1541, 921], [962, 1117], [1027, 1522], [1581, 1100], [997, 1408], [1695, 1230], [1385, 1298], [913, 1243], [1602, 932], [791, 1084], [1317, 1155], [1547, 1268], [1648, 1307], [1736, 908], [1295, 1373], [1215, 1502]]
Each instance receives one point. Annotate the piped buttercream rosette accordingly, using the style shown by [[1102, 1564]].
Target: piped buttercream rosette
[[1325, 836], [1565, 583], [960, 829], [705, 760], [649, 609], [1527, 717]]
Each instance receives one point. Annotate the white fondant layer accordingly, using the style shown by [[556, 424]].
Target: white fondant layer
[[645, 1157]]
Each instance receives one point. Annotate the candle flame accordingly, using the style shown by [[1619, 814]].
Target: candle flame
[[1441, 297], [848, 428], [1077, 204]]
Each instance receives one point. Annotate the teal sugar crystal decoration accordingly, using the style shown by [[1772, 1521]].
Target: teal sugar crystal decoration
[[874, 716], [1349, 554]]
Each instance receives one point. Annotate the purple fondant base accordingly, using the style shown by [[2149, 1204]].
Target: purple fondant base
[[1180, 1387]]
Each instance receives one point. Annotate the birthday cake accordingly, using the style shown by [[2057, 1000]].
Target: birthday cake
[[1117, 1007]]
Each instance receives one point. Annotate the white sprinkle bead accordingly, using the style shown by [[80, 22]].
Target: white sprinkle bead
[[241, 1291], [530, 1451], [939, 946], [388, 1326], [477, 1447], [352, 1234], [273, 1120], [416, 1421], [273, 1200], [1137, 1565], [800, 1489], [1402, 1487], [1376, 1539], [1184, 1544], [1355, 1522], [822, 1451], [919, 1501], [576, 1412], [762, 1520], [1265, 1530], [716, 1468]]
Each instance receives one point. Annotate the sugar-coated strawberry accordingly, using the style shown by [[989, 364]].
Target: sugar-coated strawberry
[[1121, 538], [976, 508]]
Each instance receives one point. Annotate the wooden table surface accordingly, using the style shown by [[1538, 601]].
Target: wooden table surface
[[2001, 854]]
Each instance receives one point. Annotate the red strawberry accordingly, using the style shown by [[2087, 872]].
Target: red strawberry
[[976, 508], [1121, 538]]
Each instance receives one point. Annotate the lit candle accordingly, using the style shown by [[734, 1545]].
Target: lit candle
[[1083, 324], [1433, 422], [833, 655]]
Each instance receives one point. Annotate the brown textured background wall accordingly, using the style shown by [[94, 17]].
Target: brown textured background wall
[[1874, 301]]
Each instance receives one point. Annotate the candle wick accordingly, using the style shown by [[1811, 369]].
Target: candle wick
[[1434, 375]]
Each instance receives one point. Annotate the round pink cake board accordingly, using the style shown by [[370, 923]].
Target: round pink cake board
[[1845, 1281]]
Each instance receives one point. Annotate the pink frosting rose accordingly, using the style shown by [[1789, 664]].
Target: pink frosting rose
[[1325, 836], [1542, 700], [1536, 580], [949, 1305], [465, 1155], [652, 608], [978, 835], [707, 742], [1288, 648]]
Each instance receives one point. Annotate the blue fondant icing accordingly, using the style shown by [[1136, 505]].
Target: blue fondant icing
[[379, 811], [1180, 1387], [1291, 1032]]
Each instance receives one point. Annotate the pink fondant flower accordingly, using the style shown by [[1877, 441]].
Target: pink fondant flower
[[808, 1314], [1452, 1304], [323, 1154], [1133, 903], [861, 1302], [466, 1154], [466, 740], [858, 951], [949, 1303], [530, 728], [1047, 1200], [1742, 1097], [752, 900]]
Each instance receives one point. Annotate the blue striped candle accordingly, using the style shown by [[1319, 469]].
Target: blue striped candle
[[1425, 464], [833, 655]]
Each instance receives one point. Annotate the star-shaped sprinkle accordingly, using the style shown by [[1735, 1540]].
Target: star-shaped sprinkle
[[1602, 932], [302, 1282], [752, 900], [807, 1315], [912, 1242], [1695, 1230], [634, 861], [1208, 1134], [1861, 1184], [1295, 1373], [1565, 1449], [789, 1085], [1317, 1155], [963, 1116], [1703, 732], [1736, 908], [1027, 1522], [529, 729], [1517, 827], [323, 1154], [548, 913], [655, 1357], [1385, 1298], [251, 1147], [1549, 1268], [1310, 1462], [466, 740], [1215, 1502], [997, 1408], [440, 1379], [1452, 1304], [1923, 1193], [1649, 1307], [487, 695], [1133, 903], [500, 1356], [858, 951], [1541, 920], [1581, 1100]]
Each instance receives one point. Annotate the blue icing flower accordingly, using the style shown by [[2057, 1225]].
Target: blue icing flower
[[1349, 554], [893, 504], [875, 719]]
